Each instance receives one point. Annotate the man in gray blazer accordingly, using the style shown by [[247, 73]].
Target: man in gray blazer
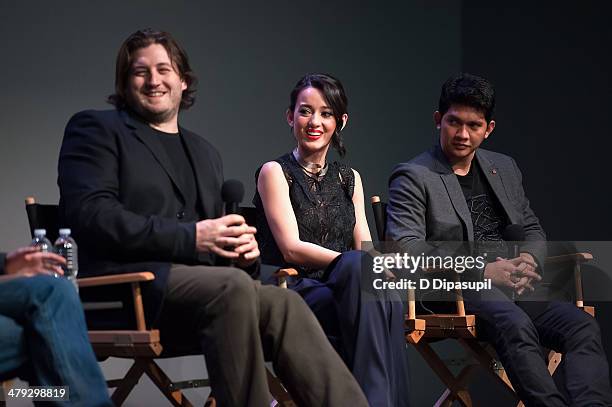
[[458, 192]]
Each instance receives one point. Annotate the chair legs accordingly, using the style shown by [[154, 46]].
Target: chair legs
[[4, 387], [456, 386], [157, 376], [278, 391], [125, 385], [163, 383], [488, 362], [462, 396], [554, 360], [172, 390]]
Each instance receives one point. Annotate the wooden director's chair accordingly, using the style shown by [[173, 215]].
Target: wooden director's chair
[[421, 330], [140, 344]]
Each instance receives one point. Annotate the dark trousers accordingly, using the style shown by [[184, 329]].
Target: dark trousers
[[237, 324], [518, 334], [367, 328], [43, 339]]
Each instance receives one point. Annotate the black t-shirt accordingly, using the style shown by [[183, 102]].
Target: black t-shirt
[[174, 146], [488, 217]]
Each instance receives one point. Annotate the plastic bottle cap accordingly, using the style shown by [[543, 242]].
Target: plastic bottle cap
[[65, 231], [40, 232]]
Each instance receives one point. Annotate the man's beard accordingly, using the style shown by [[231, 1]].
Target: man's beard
[[156, 117]]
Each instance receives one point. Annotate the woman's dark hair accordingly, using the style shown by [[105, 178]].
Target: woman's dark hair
[[142, 39], [333, 93], [468, 90]]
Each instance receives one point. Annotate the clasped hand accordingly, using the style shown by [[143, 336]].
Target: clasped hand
[[518, 273], [230, 237]]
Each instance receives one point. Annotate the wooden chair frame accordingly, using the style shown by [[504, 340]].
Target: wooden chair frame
[[421, 330], [142, 345]]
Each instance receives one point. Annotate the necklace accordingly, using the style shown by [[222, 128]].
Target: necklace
[[310, 169]]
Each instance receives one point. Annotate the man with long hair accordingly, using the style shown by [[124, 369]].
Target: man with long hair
[[141, 192]]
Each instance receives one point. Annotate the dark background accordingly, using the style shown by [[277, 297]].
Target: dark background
[[550, 64]]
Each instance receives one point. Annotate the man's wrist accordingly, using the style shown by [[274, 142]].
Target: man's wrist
[[185, 244]]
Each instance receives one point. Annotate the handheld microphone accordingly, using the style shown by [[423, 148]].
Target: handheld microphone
[[232, 193]]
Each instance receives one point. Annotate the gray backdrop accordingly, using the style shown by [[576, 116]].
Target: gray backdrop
[[551, 68], [248, 56]]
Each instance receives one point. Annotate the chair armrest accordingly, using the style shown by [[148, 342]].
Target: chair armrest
[[115, 279], [576, 259], [132, 278], [282, 275], [570, 258], [291, 272]]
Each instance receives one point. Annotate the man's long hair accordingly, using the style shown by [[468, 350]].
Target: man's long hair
[[142, 39]]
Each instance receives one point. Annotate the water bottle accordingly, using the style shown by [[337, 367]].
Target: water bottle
[[40, 241], [66, 247]]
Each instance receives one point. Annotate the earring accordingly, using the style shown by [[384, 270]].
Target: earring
[[438, 127]]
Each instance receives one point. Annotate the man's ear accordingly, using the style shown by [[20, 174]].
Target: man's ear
[[437, 116], [344, 121], [289, 116], [490, 128]]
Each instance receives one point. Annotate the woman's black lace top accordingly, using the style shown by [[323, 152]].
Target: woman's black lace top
[[323, 208]]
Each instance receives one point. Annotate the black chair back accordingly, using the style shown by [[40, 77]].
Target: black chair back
[[43, 216], [380, 217]]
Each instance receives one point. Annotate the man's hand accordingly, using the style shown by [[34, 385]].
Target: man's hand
[[525, 281], [28, 262], [229, 237], [509, 273], [248, 252]]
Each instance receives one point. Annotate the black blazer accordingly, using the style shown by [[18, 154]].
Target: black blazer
[[119, 195]]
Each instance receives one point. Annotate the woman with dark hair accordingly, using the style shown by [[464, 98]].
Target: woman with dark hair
[[311, 217]]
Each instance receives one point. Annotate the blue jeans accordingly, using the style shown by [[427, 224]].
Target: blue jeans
[[43, 339]]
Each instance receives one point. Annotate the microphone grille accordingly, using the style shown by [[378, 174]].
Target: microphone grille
[[232, 191]]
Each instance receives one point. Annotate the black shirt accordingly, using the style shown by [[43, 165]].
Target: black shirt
[[488, 217], [174, 146]]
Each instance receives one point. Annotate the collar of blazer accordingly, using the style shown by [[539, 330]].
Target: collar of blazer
[[140, 129], [499, 182], [494, 177]]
